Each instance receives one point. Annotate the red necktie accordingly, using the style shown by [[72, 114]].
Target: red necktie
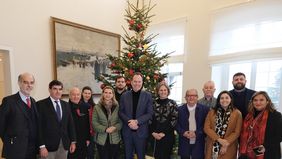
[[28, 102]]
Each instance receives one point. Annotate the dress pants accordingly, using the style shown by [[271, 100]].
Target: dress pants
[[133, 143], [108, 151], [61, 153]]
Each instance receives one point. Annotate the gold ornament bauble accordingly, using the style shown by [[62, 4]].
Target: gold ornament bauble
[[143, 58]]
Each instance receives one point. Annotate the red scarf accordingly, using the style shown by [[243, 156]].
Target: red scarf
[[252, 134], [92, 132]]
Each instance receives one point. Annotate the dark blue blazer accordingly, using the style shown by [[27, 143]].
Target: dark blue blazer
[[52, 131], [184, 146], [14, 130], [144, 112]]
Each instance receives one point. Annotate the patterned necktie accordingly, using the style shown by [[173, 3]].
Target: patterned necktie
[[28, 102], [58, 110]]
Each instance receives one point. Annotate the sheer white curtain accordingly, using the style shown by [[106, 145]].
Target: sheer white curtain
[[250, 26], [171, 36]]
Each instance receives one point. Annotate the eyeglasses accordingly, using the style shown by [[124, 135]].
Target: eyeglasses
[[191, 95]]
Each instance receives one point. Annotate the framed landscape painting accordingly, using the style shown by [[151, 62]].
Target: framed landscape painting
[[80, 54]]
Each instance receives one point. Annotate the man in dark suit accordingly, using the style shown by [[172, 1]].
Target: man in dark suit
[[18, 122], [136, 109], [190, 124], [241, 94], [56, 127]]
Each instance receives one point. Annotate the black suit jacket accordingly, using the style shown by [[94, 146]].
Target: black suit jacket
[[273, 136], [51, 130], [14, 130]]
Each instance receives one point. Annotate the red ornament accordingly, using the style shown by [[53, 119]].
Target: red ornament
[[102, 86], [139, 25], [113, 65], [131, 72], [131, 22], [156, 76], [128, 82], [130, 55], [116, 72]]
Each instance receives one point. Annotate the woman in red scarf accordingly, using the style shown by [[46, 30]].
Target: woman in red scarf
[[261, 132]]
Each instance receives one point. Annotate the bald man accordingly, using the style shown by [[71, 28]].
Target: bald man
[[18, 122], [208, 99], [81, 122]]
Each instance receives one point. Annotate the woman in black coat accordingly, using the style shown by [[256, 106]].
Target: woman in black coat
[[261, 133]]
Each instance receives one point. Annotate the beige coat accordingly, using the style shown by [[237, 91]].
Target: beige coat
[[232, 134]]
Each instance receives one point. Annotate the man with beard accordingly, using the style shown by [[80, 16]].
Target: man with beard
[[240, 93], [120, 87]]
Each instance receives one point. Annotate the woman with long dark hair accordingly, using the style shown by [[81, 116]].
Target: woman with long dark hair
[[88, 102], [222, 126]]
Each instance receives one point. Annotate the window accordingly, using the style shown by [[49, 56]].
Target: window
[[171, 39], [174, 77], [248, 38], [261, 76], [269, 78]]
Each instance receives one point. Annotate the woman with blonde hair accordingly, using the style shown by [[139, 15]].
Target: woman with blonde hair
[[261, 131], [107, 125]]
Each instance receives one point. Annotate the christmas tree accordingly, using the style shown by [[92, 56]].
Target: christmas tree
[[139, 55]]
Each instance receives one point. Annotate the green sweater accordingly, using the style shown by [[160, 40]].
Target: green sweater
[[100, 123]]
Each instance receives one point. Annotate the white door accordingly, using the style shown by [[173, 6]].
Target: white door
[[2, 88]]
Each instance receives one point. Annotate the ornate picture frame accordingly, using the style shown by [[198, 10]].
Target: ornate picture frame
[[80, 54]]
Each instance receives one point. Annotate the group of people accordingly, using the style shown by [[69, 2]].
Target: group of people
[[238, 123]]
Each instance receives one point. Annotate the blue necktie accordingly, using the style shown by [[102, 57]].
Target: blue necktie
[[58, 111]]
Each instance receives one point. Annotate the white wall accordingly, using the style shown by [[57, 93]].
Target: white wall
[[196, 69], [25, 27]]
